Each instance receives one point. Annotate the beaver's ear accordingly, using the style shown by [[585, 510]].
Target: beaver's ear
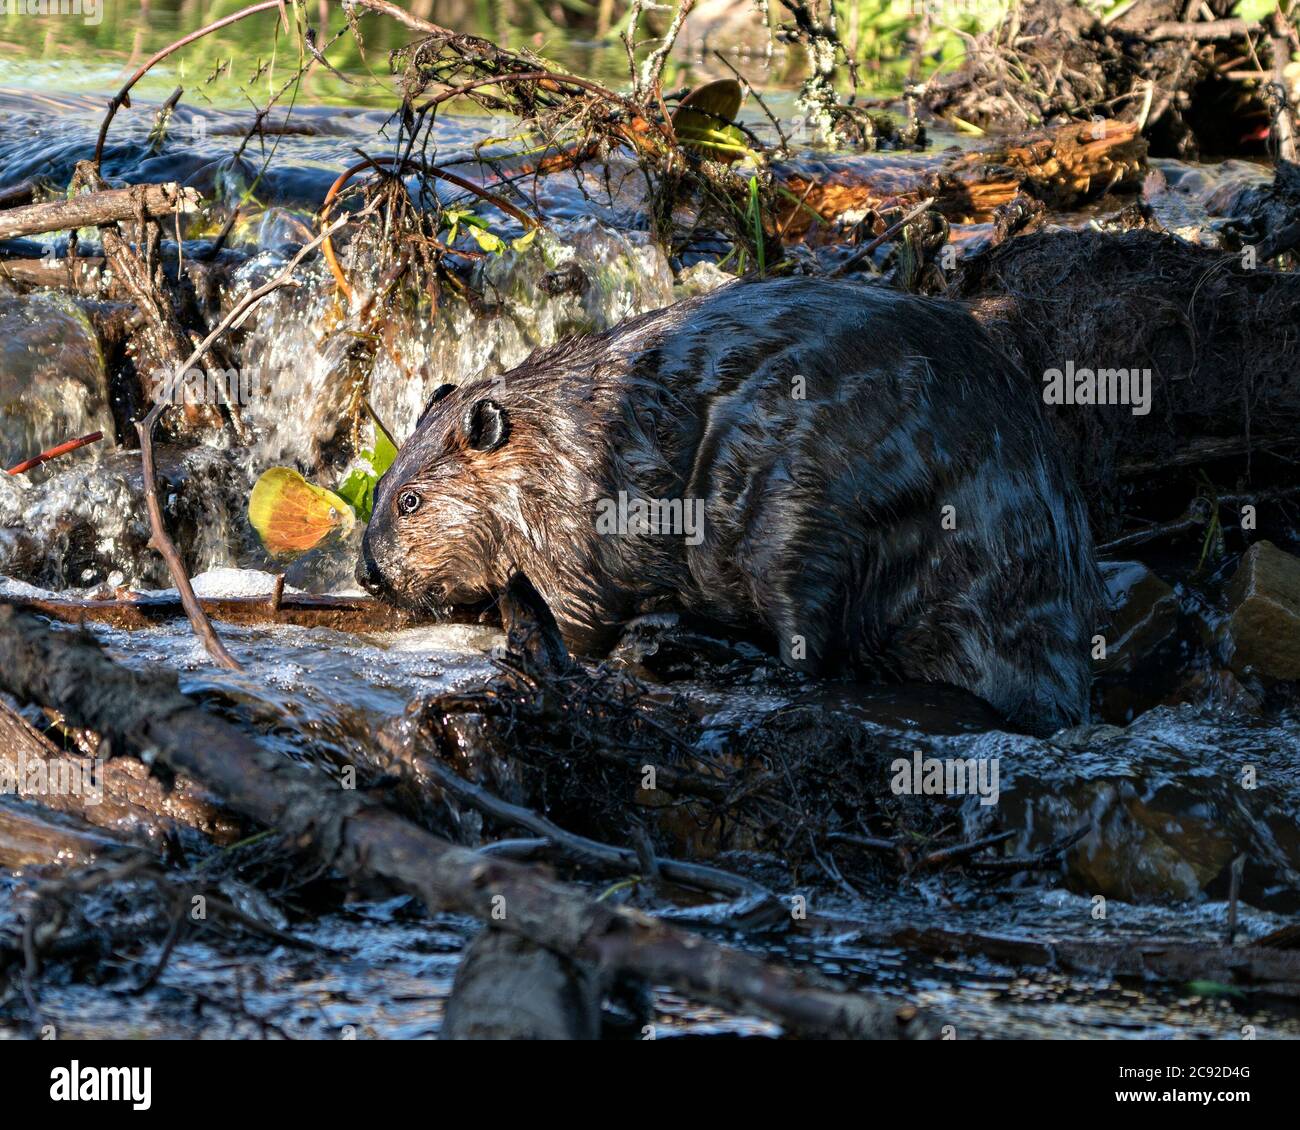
[[487, 426], [438, 394]]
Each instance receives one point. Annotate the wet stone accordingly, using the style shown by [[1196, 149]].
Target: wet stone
[[1143, 614], [1263, 630], [53, 385], [1170, 802], [1141, 628]]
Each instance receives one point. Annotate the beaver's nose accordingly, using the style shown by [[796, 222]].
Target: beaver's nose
[[368, 575]]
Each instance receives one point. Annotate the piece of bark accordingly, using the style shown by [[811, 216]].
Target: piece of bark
[[1063, 167], [11, 196], [91, 209], [32, 836], [124, 800], [87, 275], [358, 837]]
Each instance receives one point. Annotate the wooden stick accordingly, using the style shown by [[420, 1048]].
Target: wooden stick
[[1284, 126], [305, 610], [90, 209], [123, 96], [891, 231], [171, 556], [1204, 31]]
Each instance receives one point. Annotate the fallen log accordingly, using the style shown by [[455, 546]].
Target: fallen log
[[358, 837], [342, 613], [91, 209], [506, 988]]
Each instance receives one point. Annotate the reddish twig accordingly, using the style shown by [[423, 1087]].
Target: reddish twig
[[54, 453]]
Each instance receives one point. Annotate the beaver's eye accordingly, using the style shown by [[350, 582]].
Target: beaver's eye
[[408, 502]]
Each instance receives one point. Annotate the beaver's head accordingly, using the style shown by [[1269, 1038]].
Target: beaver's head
[[435, 536]]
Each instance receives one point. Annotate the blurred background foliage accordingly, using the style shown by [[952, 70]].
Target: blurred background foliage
[[890, 40]]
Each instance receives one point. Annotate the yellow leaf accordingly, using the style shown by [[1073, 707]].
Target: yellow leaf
[[292, 515], [488, 241]]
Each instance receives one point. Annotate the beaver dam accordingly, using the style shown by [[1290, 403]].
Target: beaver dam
[[772, 673]]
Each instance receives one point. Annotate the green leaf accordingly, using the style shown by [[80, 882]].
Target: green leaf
[[1254, 10], [524, 241], [358, 491], [384, 453]]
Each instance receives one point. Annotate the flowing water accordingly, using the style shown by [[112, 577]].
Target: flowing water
[[1160, 793]]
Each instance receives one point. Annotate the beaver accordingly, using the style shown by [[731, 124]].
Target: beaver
[[855, 472]]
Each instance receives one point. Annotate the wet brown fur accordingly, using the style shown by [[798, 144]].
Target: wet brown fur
[[823, 514]]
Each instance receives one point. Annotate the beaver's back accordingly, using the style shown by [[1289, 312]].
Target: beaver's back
[[880, 488]]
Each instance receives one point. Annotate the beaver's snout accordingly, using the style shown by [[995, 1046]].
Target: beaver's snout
[[368, 574]]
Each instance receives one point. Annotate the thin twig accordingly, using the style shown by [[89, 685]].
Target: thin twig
[[858, 256], [54, 453]]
